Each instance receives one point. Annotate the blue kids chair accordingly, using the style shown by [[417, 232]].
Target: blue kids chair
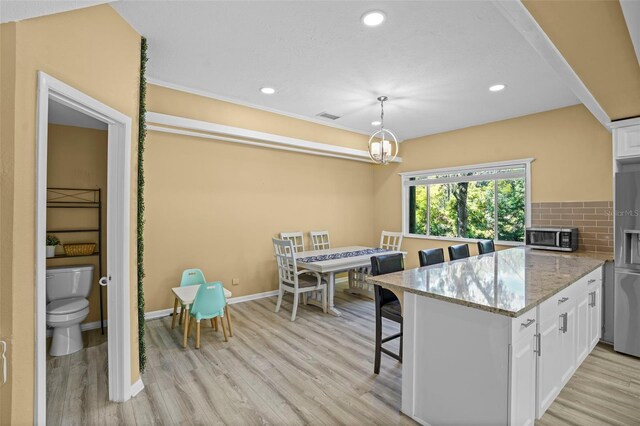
[[192, 276], [208, 304]]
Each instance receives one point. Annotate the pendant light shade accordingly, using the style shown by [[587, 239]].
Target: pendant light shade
[[383, 144]]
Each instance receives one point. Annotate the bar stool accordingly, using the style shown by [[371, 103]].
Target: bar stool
[[387, 305], [486, 246], [431, 256], [460, 251]]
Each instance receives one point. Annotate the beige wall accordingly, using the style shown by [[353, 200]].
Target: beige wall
[[572, 154], [97, 52], [594, 39], [182, 104], [216, 205], [77, 158]]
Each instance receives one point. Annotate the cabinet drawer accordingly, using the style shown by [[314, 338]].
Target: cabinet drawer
[[524, 324], [551, 308], [593, 277]]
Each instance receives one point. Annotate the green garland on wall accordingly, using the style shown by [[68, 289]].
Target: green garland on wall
[[142, 132]]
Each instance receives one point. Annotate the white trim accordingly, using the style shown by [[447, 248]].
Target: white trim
[[137, 387], [516, 13], [209, 130], [624, 123], [470, 168], [231, 301], [210, 95], [118, 243], [256, 296], [406, 183]]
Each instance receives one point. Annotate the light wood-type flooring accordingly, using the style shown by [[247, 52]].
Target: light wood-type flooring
[[316, 370]]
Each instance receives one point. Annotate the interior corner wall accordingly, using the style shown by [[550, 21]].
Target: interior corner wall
[[94, 50], [216, 205], [572, 152]]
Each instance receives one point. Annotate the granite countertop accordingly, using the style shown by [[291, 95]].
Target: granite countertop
[[507, 282]]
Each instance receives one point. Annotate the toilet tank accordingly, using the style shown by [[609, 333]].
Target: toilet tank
[[64, 282]]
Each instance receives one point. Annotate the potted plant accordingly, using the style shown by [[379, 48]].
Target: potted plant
[[52, 242]]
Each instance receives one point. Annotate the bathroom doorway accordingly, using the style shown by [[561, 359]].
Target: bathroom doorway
[[83, 191]]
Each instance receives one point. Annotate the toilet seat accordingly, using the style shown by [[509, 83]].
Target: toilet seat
[[63, 310]]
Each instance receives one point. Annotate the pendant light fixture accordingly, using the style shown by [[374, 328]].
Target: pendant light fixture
[[383, 145]]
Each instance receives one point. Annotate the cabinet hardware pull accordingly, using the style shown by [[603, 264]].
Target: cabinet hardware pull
[[592, 296], [564, 299], [528, 323], [539, 344], [591, 281], [564, 318]]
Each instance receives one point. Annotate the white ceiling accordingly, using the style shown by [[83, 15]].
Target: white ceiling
[[434, 60], [61, 114]]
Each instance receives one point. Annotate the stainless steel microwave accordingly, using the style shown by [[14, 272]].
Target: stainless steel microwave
[[550, 238]]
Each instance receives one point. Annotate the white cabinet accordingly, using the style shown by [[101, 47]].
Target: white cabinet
[[627, 142], [567, 359], [583, 330], [548, 385], [570, 325], [522, 407], [595, 315]]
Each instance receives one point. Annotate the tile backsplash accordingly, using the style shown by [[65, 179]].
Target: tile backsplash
[[594, 220]]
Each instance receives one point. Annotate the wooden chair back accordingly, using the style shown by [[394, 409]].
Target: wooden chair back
[[320, 240], [285, 258], [391, 240], [296, 238]]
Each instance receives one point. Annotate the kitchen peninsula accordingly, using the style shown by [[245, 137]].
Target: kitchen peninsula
[[492, 339]]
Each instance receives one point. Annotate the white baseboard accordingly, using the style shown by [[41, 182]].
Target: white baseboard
[[232, 300], [136, 387]]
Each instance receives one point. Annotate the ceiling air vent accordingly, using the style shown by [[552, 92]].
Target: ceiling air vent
[[327, 115]]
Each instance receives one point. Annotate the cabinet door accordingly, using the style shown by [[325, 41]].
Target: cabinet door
[[583, 329], [627, 140], [548, 371], [595, 316], [568, 345], [523, 380]]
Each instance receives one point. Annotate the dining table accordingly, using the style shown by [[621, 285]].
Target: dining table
[[185, 296], [332, 261]]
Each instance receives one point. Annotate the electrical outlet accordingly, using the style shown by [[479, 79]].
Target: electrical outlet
[[235, 281]]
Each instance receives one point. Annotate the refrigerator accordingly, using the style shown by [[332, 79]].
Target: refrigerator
[[627, 263]]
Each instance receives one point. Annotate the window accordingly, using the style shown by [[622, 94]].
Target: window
[[487, 201]]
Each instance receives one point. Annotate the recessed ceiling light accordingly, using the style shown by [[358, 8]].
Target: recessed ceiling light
[[375, 123], [268, 90], [497, 87], [373, 18]]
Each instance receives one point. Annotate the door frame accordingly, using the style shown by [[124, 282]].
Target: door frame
[[118, 235]]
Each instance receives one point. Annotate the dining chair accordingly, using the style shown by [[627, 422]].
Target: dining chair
[[293, 281], [195, 276], [460, 251], [320, 240], [209, 304], [387, 305], [486, 246], [297, 238], [431, 256], [390, 240]]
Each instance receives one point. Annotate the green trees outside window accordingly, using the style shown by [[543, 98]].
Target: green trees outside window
[[482, 209]]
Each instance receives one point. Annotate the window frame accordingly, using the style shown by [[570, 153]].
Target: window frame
[[406, 182]]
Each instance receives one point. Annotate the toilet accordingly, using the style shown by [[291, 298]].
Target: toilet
[[68, 288]]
